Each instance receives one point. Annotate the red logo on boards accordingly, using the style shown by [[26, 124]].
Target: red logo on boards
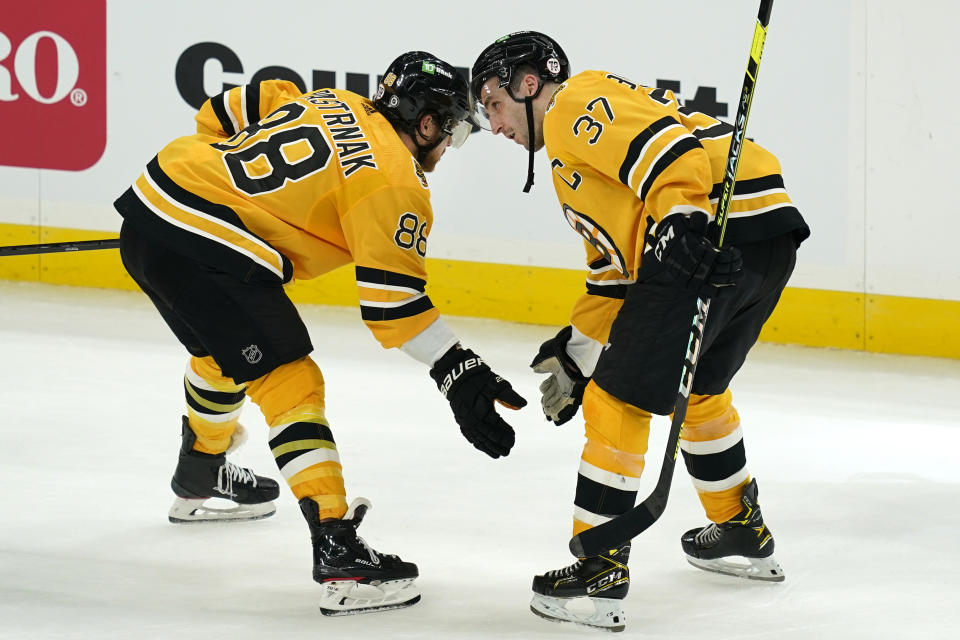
[[53, 84]]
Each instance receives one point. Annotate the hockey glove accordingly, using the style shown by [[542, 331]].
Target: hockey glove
[[563, 390], [692, 260], [471, 387]]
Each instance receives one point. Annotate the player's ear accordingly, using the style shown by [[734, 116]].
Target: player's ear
[[427, 126], [530, 84]]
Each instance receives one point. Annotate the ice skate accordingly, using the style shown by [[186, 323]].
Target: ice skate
[[355, 578], [744, 536], [202, 476], [588, 592]]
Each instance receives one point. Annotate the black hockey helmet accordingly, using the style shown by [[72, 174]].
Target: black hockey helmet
[[418, 83], [501, 60], [503, 57]]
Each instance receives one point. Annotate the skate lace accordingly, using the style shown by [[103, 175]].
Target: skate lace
[[709, 534], [373, 554], [230, 473], [566, 571]]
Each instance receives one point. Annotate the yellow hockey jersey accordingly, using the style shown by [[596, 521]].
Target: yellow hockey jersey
[[277, 184], [624, 157]]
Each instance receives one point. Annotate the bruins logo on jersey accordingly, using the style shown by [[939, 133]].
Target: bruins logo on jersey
[[595, 236], [421, 176]]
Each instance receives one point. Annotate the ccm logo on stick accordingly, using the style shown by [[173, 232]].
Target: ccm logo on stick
[[53, 102]]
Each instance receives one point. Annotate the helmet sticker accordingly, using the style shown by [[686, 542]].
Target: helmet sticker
[[390, 79], [553, 66], [394, 101], [428, 67]]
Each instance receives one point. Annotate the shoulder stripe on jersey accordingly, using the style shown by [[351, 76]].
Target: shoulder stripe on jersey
[[223, 114], [616, 291], [381, 279], [636, 150], [750, 187], [412, 306], [719, 130], [251, 105], [679, 147]]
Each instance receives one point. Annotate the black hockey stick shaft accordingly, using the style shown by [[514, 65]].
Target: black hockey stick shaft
[[59, 247], [627, 526]]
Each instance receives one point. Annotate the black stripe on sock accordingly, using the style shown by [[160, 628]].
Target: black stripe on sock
[[601, 499], [302, 431], [713, 467]]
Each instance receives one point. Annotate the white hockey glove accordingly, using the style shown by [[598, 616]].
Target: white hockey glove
[[563, 390]]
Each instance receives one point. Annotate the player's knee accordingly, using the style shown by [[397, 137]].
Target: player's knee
[[709, 417], [287, 388], [614, 423]]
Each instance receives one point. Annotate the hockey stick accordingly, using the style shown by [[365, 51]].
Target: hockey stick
[[59, 247], [627, 526]]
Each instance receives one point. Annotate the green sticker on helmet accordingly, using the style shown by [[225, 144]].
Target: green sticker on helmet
[[429, 67]]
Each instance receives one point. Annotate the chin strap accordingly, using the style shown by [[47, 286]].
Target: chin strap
[[531, 143], [424, 150]]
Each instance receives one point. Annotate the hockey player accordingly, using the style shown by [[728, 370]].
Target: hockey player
[[637, 175], [277, 185]]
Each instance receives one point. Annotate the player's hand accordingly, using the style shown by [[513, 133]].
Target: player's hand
[[562, 392], [693, 261], [471, 388]]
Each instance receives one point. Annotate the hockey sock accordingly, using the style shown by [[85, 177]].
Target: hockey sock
[[291, 398], [612, 459], [213, 404], [712, 446]]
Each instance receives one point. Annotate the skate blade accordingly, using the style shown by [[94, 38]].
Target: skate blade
[[764, 569], [193, 510], [349, 597], [605, 614]]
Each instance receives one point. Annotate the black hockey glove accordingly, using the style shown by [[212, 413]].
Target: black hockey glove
[[692, 260], [562, 392], [471, 387]]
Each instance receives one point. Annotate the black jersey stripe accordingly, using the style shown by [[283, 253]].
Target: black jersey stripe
[[599, 263], [187, 199], [716, 466], [771, 224], [679, 147], [602, 499], [638, 143], [413, 308], [221, 112], [252, 106], [753, 185], [615, 291], [188, 243], [380, 276]]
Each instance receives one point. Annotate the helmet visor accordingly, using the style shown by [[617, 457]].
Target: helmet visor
[[459, 132], [479, 116]]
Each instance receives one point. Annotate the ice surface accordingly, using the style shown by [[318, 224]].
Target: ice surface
[[855, 454]]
